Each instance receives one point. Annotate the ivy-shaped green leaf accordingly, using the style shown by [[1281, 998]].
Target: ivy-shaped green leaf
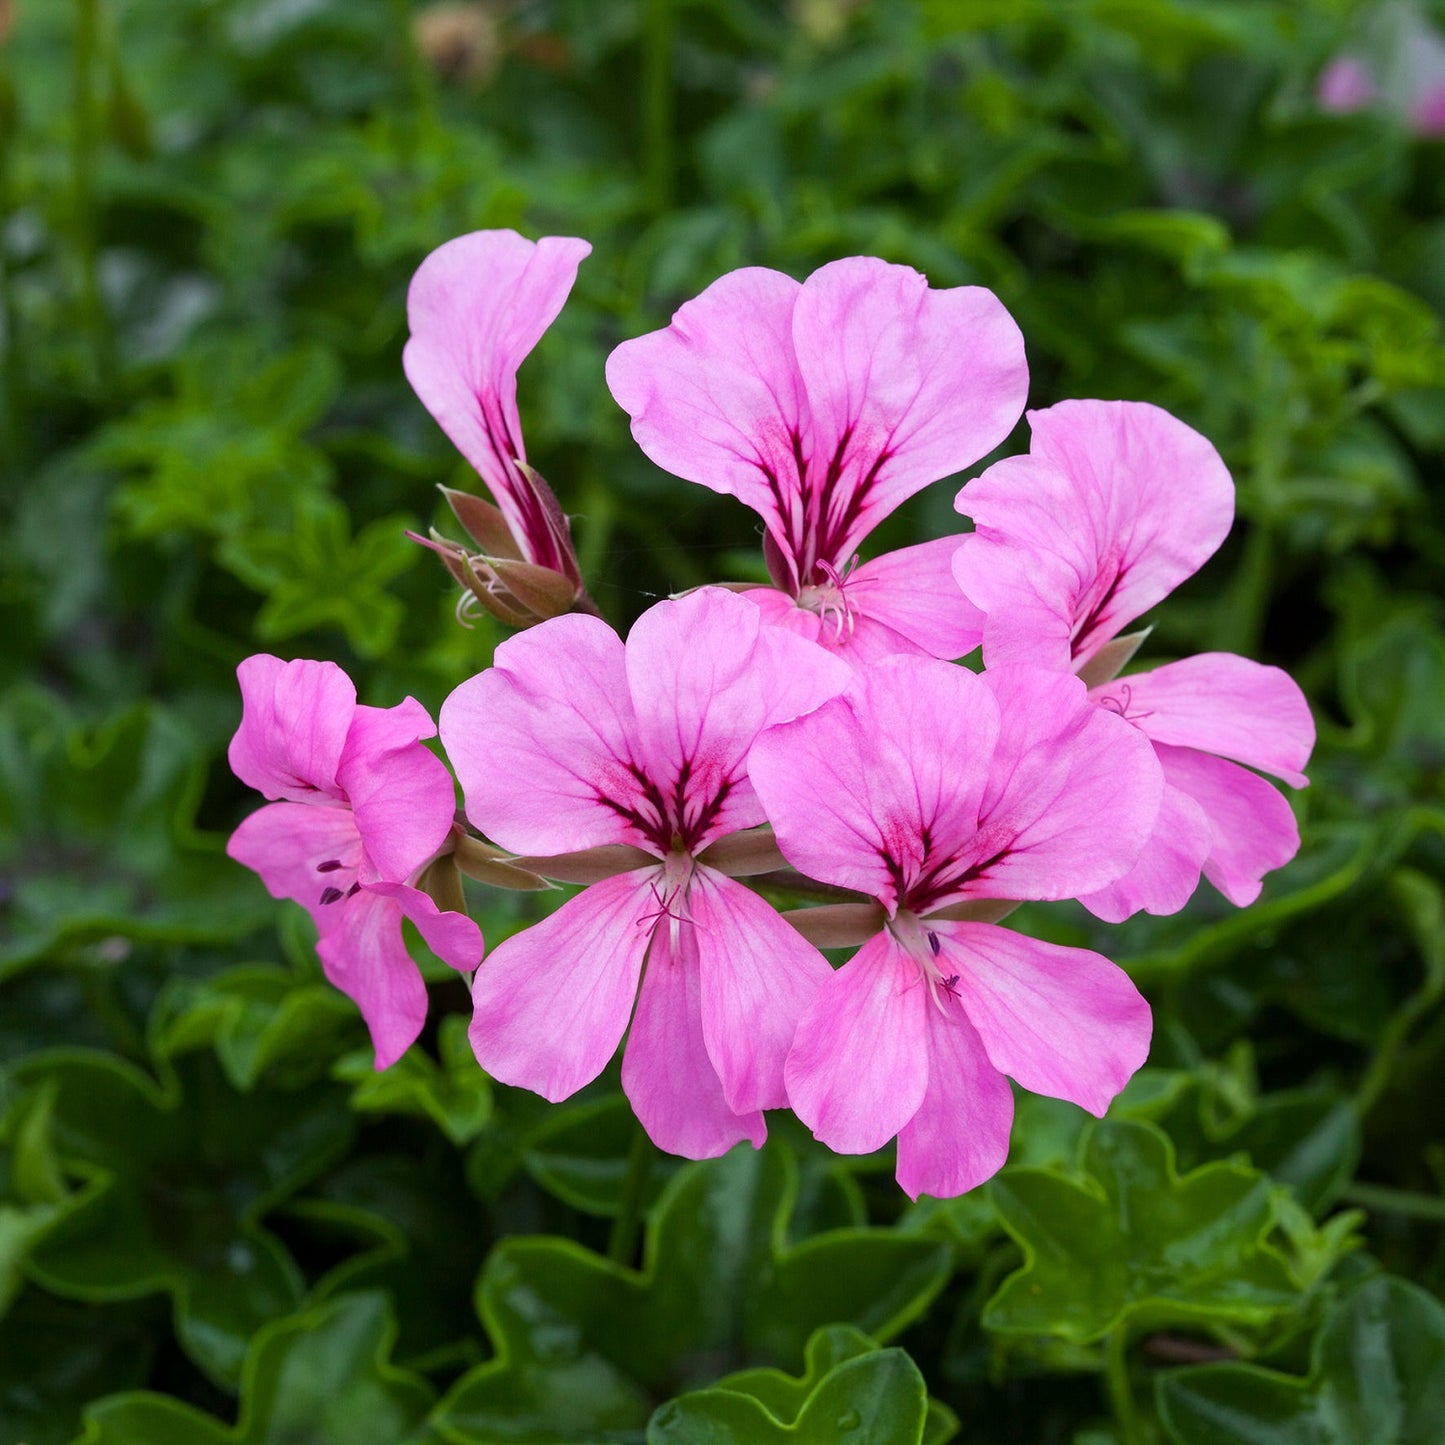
[[883, 1397], [1377, 1378], [1047, 1134], [264, 1022], [877, 1399], [178, 1175], [455, 1095], [31, 1188], [1308, 1139], [57, 1354], [424, 1238], [322, 1378], [585, 1346], [315, 573], [1134, 1245], [96, 838], [227, 453], [580, 1154]]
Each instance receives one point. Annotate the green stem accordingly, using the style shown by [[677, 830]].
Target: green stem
[[1249, 598], [1415, 1007], [85, 146], [622, 1246], [1382, 1198], [1121, 1396], [12, 400], [657, 105], [418, 75]]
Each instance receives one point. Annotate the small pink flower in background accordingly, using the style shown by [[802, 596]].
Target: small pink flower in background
[[1115, 505], [574, 741], [476, 308], [1345, 85], [1398, 68], [927, 787], [823, 406], [1427, 106], [359, 808]]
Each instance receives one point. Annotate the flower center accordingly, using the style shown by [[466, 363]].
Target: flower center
[[336, 877], [829, 600], [669, 892], [921, 944]]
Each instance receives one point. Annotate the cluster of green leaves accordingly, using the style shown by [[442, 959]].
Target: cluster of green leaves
[[217, 1223]]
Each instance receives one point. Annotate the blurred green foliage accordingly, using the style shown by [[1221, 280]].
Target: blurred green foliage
[[215, 1222]]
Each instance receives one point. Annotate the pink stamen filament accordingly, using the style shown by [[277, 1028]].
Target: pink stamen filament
[[830, 601], [922, 945]]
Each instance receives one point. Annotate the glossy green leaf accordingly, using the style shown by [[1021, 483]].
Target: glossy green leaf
[[784, 1399], [178, 1175], [455, 1095], [580, 1155], [264, 1022], [427, 1237], [1134, 1245], [1308, 1139], [587, 1346], [315, 573], [227, 452], [31, 1188], [875, 1399], [1378, 1378], [1047, 1134], [56, 1355], [95, 834], [322, 1377]]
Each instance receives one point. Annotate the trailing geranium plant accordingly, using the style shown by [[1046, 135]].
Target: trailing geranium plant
[[818, 735]]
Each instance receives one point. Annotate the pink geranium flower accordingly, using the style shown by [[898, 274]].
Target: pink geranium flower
[[823, 406], [1116, 504], [929, 788], [360, 808], [476, 308], [573, 741]]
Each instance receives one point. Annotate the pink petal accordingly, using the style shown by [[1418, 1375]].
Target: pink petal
[[453, 937], [476, 307], [1254, 829], [706, 677], [1167, 872], [913, 593], [823, 407], [852, 788], [666, 1071], [1130, 499], [1025, 591], [552, 1003], [1219, 703], [758, 975], [858, 1068], [1062, 1021], [856, 639], [716, 396], [401, 794], [905, 385], [1073, 791], [294, 721], [384, 729], [364, 956], [542, 742], [960, 1135], [292, 846]]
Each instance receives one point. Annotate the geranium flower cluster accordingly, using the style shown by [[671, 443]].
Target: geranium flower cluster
[[816, 738]]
